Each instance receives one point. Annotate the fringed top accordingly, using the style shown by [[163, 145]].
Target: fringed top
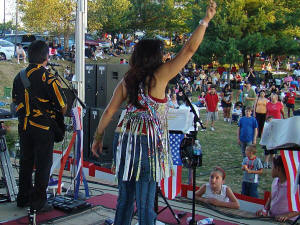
[[151, 120]]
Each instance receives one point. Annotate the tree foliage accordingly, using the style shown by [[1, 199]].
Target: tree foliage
[[246, 27], [53, 16], [108, 15]]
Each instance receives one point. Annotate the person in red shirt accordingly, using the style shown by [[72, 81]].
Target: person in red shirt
[[275, 108], [290, 100], [211, 100]]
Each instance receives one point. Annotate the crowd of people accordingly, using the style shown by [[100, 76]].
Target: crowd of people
[[257, 100]]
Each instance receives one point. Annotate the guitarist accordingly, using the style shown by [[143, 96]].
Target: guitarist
[[36, 107]]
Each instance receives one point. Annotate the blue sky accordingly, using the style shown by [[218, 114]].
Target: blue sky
[[10, 10]]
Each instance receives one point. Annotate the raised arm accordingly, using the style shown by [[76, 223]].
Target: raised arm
[[171, 68]]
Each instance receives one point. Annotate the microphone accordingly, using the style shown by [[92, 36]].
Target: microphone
[[52, 64]]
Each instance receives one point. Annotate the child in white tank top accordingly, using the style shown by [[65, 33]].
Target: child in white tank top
[[216, 193]]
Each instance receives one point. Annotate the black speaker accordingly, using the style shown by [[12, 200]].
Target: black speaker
[[90, 85], [108, 76], [106, 157]]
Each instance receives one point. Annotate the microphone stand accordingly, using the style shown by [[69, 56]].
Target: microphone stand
[[69, 88], [194, 137]]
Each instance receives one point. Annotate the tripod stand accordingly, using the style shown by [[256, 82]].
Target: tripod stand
[[158, 192], [7, 171]]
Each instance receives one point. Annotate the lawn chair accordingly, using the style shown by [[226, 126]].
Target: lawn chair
[[7, 92]]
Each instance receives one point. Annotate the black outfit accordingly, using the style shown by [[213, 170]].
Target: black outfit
[[261, 118], [227, 97], [35, 106]]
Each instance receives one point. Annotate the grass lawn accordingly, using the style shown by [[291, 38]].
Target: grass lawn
[[219, 147]]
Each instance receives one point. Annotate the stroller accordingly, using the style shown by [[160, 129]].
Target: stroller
[[236, 112]]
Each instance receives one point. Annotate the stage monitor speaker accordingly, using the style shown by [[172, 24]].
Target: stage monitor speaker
[[106, 157], [90, 85], [108, 76]]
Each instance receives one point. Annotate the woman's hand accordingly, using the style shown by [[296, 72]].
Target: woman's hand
[[97, 147], [210, 11]]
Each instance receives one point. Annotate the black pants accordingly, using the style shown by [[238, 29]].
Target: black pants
[[36, 146], [261, 118]]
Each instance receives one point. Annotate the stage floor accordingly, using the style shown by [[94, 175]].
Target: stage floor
[[103, 199]]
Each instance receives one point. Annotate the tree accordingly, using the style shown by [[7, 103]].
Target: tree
[[54, 16], [108, 15], [7, 27], [253, 25]]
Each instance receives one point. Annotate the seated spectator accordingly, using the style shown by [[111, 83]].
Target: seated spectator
[[89, 53], [197, 84], [296, 72], [68, 74], [99, 53], [277, 204], [172, 103], [180, 98], [201, 100], [216, 193], [20, 53], [236, 112], [222, 84], [60, 52]]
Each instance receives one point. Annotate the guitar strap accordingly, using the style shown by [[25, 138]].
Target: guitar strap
[[26, 83], [24, 79]]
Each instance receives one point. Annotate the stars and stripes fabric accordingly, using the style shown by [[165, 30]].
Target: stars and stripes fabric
[[171, 186], [292, 166]]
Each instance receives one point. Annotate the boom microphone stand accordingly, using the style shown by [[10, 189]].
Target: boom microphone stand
[[195, 160], [72, 90]]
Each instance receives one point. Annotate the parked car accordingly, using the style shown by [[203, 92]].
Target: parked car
[[24, 39], [164, 39], [7, 50]]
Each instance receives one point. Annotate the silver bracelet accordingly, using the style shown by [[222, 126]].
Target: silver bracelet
[[202, 22]]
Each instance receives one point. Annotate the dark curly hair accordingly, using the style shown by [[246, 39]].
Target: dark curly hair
[[278, 163], [145, 59]]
